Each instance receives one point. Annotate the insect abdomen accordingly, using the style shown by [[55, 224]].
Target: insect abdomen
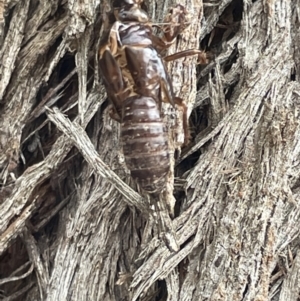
[[145, 143]]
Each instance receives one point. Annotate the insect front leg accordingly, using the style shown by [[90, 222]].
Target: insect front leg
[[175, 23]]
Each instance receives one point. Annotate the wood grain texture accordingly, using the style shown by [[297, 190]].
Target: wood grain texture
[[72, 224]]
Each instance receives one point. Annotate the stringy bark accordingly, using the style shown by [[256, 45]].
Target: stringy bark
[[73, 226]]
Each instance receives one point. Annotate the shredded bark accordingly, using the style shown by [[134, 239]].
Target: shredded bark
[[74, 226]]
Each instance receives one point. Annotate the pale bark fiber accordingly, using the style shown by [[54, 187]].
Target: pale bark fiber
[[73, 226]]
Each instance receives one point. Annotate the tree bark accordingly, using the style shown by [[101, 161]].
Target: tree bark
[[73, 226]]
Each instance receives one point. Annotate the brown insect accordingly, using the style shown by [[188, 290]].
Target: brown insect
[[137, 82]]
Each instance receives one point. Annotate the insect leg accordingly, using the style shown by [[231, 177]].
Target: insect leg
[[175, 24], [202, 58], [166, 92], [176, 20], [113, 81]]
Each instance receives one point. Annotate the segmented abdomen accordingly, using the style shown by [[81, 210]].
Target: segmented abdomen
[[145, 143]]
